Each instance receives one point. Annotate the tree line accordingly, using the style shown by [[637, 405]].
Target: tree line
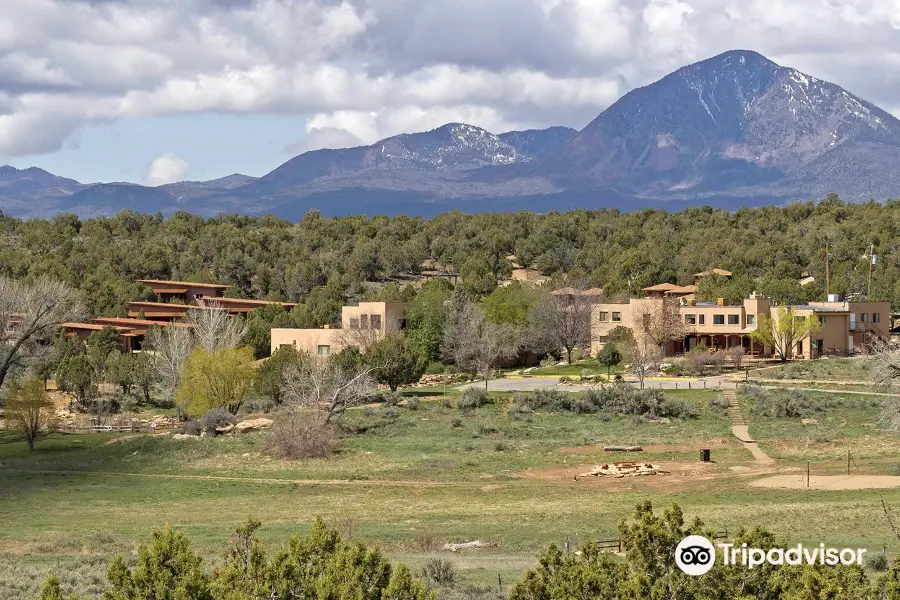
[[326, 262]]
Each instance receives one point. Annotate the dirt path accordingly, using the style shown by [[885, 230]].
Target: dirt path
[[740, 430]]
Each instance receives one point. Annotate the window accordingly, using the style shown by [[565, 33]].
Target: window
[[617, 317], [375, 321], [718, 319], [198, 296], [354, 323], [324, 350], [363, 321], [703, 319], [751, 319], [876, 317], [690, 319], [864, 317], [286, 345], [734, 319], [604, 316]]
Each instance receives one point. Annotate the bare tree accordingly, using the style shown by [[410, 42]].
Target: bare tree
[[644, 357], [214, 328], [321, 383], [658, 321], [171, 346], [561, 319], [30, 314], [476, 344]]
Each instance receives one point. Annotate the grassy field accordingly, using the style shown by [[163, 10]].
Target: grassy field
[[408, 479]]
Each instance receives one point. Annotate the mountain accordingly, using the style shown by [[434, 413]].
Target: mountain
[[734, 124], [733, 130]]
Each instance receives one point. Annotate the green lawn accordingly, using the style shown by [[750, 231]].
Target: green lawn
[[408, 480], [574, 370]]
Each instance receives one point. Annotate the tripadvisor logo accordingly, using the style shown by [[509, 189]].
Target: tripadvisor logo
[[696, 555]]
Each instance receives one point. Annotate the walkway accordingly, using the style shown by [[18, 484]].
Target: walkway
[[740, 430]]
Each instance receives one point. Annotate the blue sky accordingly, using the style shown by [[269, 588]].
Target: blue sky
[[213, 145], [159, 90]]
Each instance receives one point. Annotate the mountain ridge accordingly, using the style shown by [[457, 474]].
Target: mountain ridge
[[729, 130]]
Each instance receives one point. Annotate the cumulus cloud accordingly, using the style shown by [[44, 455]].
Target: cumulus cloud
[[318, 138], [361, 70], [166, 168]]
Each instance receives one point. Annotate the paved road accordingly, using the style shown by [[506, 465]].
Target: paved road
[[530, 384]]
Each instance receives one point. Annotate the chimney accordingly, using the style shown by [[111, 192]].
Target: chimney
[[720, 301]]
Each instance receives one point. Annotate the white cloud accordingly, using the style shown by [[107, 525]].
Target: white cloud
[[318, 138], [373, 68], [166, 168]]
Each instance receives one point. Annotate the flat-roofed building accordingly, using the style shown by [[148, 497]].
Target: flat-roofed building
[[846, 327], [360, 324], [184, 291]]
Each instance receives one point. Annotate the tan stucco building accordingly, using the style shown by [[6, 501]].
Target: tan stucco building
[[847, 327], [360, 324]]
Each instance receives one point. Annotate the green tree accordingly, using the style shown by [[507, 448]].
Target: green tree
[[52, 590], [29, 412], [167, 569], [75, 375], [609, 356], [271, 376], [426, 315], [259, 329], [217, 378], [510, 304], [395, 362], [784, 330], [122, 370], [403, 586]]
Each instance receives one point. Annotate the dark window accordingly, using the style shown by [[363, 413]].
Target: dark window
[[376, 321], [604, 316], [876, 317], [751, 319], [864, 317], [363, 321], [703, 319], [354, 323], [617, 317], [734, 319], [324, 350], [690, 319], [718, 319]]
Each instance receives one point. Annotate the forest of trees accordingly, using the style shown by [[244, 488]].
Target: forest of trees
[[324, 263]]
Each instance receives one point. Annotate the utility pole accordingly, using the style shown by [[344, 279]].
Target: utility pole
[[871, 262], [827, 272]]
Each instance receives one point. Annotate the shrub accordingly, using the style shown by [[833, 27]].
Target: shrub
[[782, 404], [413, 404], [456, 423], [390, 413], [295, 436], [192, 428], [718, 403], [391, 398], [216, 417], [674, 370], [877, 561], [439, 572], [619, 399], [473, 397]]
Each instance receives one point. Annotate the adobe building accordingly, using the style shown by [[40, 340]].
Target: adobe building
[[174, 300], [846, 327], [360, 324]]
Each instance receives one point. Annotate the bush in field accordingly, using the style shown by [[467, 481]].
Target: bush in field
[[439, 572], [877, 561], [718, 403], [782, 404], [214, 418], [472, 398], [296, 436], [619, 399]]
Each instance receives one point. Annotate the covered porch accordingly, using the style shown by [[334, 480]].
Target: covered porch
[[723, 341]]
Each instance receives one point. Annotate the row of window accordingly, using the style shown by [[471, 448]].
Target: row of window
[[692, 319], [616, 317], [366, 322], [864, 317]]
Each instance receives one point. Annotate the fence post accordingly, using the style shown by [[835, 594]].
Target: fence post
[[689, 385], [807, 473]]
